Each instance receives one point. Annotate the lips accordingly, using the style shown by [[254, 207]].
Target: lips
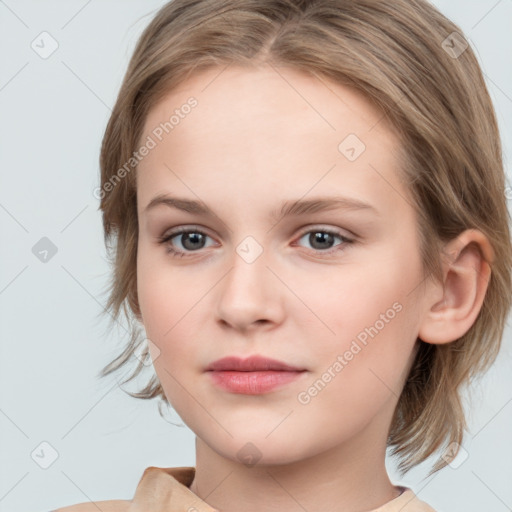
[[251, 364], [252, 376]]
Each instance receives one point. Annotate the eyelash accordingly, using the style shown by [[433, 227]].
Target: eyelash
[[165, 239]]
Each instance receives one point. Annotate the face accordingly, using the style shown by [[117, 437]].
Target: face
[[329, 287]]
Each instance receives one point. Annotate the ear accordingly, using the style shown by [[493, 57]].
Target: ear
[[451, 307]]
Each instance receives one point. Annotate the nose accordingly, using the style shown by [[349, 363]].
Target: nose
[[249, 295]]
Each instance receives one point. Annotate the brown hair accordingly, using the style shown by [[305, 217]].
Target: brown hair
[[413, 63]]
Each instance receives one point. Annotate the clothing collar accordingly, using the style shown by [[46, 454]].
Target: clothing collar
[[167, 490]]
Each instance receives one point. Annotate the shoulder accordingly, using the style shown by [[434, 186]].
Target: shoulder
[[104, 506], [408, 502]]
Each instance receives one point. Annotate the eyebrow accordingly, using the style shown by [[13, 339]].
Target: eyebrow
[[288, 208]]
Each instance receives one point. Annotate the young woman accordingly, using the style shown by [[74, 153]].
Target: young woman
[[296, 194]]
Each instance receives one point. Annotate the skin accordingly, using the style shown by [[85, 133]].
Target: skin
[[258, 137]]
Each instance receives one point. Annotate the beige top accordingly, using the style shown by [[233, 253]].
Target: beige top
[[167, 490]]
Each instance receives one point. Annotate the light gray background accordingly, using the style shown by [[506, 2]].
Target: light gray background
[[54, 341]]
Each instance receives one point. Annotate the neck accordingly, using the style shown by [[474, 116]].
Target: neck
[[350, 477]]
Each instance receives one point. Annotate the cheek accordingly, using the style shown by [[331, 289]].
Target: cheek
[[166, 311], [371, 315], [360, 371], [170, 304], [163, 295], [352, 298]]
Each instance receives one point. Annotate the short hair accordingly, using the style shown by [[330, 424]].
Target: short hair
[[412, 63]]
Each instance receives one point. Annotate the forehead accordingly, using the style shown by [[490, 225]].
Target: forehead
[[268, 92], [259, 129]]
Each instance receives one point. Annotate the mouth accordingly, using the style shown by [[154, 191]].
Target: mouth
[[252, 376]]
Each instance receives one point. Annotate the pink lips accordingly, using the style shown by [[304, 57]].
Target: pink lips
[[252, 376]]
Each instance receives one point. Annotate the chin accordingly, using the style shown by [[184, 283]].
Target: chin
[[258, 450]]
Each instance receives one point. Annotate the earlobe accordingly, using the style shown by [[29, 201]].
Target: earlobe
[[451, 307]]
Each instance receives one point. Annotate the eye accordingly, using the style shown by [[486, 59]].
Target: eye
[[194, 239], [191, 240], [322, 239]]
